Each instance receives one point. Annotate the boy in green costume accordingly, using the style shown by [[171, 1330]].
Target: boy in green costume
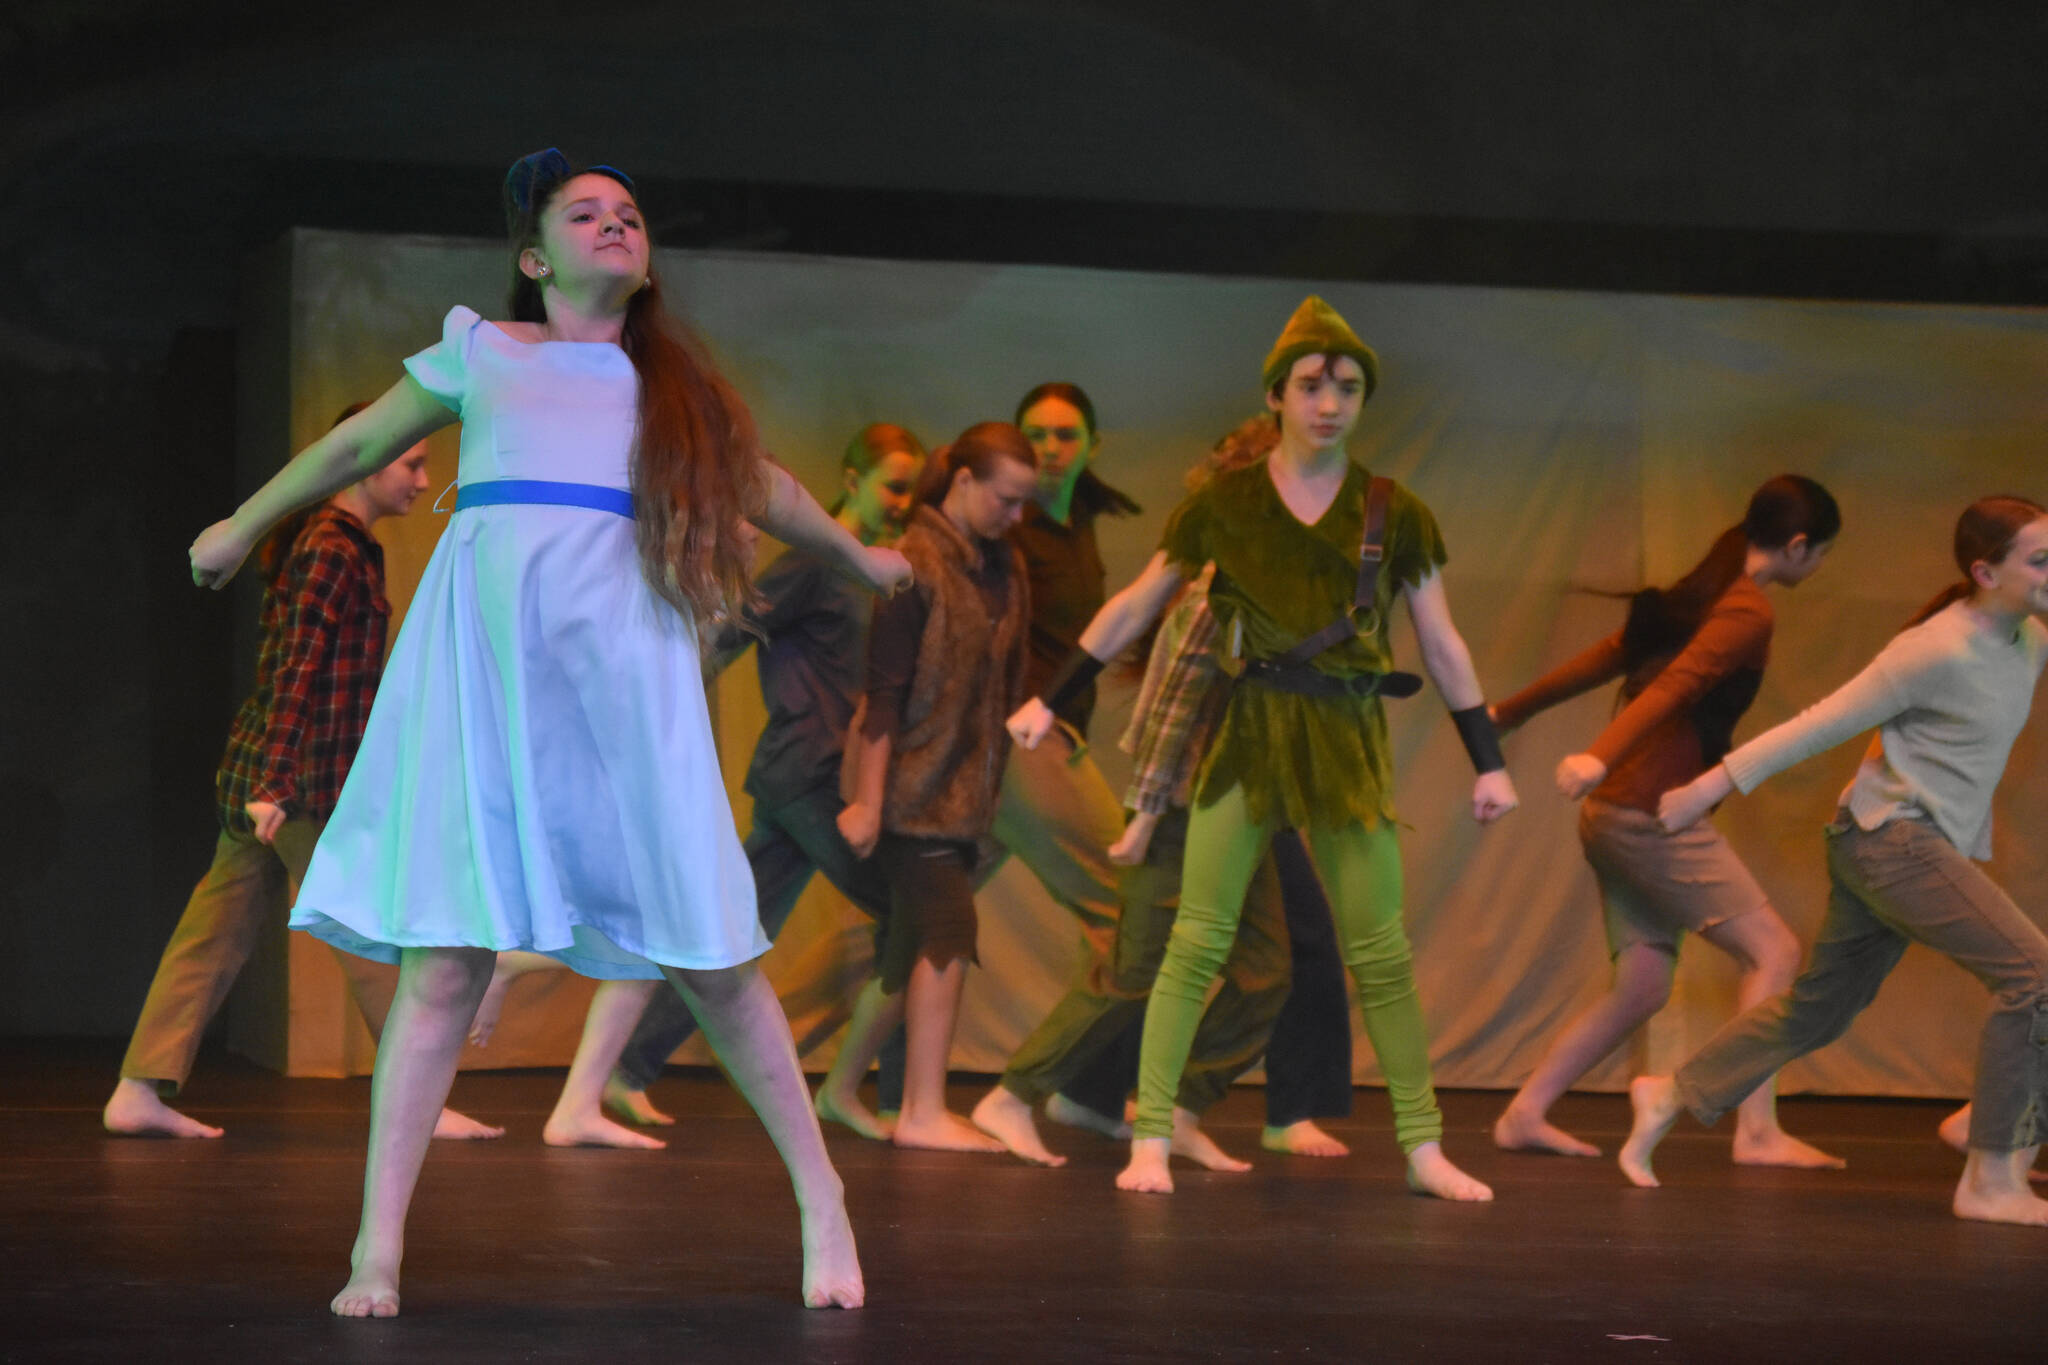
[[1304, 742]]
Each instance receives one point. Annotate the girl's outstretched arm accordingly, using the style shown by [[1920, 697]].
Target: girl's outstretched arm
[[403, 417], [794, 517]]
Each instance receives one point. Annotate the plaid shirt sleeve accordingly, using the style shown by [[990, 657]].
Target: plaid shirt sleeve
[[1179, 708], [316, 662]]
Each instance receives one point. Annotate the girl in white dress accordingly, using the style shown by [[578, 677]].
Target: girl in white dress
[[538, 770]]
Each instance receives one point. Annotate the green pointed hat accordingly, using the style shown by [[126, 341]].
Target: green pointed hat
[[1318, 329]]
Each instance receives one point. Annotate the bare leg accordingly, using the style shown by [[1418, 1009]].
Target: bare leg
[[438, 990], [931, 1009], [875, 1016], [1007, 1119], [1654, 1103], [1305, 1137], [136, 1110], [744, 1023], [510, 966], [1641, 984], [1769, 956], [578, 1120], [1430, 1172], [1197, 1146], [1994, 1188]]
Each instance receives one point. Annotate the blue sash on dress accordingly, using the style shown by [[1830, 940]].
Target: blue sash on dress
[[498, 492]]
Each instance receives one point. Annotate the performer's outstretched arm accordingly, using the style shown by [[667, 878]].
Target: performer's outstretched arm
[[1121, 621], [404, 416], [794, 517]]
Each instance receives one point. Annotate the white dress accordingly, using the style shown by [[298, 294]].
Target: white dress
[[538, 770]]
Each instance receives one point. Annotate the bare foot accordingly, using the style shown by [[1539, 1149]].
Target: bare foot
[[1955, 1130], [944, 1131], [136, 1110], [1301, 1138], [371, 1292], [835, 1107], [1654, 1102], [633, 1105], [1147, 1172], [1517, 1131], [1060, 1109], [1430, 1172], [1779, 1148], [1197, 1146], [831, 1265], [457, 1127], [595, 1130], [1994, 1189], [1007, 1119]]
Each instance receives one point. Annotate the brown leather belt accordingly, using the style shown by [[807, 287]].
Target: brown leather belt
[[1301, 680]]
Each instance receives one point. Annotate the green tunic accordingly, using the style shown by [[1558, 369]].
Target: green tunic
[[1306, 762]]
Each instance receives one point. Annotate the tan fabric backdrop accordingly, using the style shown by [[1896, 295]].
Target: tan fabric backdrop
[[1571, 445]]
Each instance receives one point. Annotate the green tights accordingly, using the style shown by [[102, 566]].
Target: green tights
[[1361, 871]]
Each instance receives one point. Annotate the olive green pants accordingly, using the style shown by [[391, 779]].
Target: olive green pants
[[1361, 869]]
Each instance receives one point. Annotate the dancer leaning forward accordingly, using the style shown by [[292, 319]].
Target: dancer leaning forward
[[1310, 551], [1947, 696], [538, 771]]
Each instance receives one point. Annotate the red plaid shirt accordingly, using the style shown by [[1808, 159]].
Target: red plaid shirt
[[324, 623]]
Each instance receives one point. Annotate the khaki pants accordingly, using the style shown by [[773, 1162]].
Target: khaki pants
[[1058, 815], [1899, 883], [248, 887]]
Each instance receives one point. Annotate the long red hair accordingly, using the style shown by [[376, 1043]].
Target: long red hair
[[698, 469], [1984, 535]]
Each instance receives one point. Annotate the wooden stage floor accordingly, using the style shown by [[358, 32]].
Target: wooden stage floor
[[127, 1250]]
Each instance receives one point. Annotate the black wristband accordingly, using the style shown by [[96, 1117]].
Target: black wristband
[[1074, 678], [1482, 741]]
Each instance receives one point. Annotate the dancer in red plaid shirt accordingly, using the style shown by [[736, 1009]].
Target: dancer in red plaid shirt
[[325, 619]]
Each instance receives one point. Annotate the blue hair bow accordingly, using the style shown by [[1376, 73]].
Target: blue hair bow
[[533, 177]]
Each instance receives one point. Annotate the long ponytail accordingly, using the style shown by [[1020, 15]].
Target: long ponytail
[[1661, 620], [1984, 535]]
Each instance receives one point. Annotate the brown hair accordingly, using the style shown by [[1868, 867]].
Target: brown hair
[[871, 445], [276, 550], [1661, 620], [1984, 535], [1071, 394], [698, 468], [979, 449]]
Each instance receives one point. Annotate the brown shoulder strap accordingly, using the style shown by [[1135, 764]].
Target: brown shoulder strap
[[1365, 598]]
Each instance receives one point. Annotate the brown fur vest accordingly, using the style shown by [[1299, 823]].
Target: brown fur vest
[[946, 765]]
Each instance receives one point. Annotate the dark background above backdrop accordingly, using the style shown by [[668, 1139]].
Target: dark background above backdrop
[[1883, 150]]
